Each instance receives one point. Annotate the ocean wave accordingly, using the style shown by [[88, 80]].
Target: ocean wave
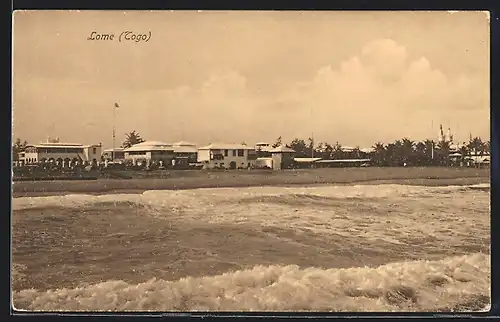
[[194, 197], [453, 284]]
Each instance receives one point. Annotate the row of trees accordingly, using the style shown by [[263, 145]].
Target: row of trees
[[399, 152]]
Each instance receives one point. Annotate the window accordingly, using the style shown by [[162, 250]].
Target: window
[[234, 153], [241, 153], [94, 150], [137, 153], [226, 153]]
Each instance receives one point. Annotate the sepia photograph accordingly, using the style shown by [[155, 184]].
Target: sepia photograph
[[239, 161]]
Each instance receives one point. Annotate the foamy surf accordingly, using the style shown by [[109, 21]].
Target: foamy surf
[[159, 198], [453, 284]]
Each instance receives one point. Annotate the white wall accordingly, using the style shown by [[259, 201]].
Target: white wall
[[203, 155], [241, 161], [134, 158], [90, 155]]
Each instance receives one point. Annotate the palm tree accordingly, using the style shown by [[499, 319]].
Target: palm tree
[[397, 153], [476, 145], [444, 152], [379, 153], [132, 138], [407, 149], [420, 156], [464, 151]]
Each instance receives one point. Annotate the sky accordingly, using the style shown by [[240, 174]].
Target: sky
[[350, 77]]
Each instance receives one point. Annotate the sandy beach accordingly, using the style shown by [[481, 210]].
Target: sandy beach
[[175, 180]]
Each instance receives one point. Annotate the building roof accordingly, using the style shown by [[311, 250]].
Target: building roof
[[61, 145], [367, 150], [343, 160], [281, 149], [262, 143], [306, 160], [116, 150], [225, 146], [183, 143], [150, 146], [185, 149]]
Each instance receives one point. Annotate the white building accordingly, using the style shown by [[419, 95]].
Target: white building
[[228, 156], [65, 154], [148, 151], [185, 150]]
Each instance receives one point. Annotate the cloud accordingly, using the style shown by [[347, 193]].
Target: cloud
[[383, 91]]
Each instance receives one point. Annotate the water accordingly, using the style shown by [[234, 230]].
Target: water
[[322, 248]]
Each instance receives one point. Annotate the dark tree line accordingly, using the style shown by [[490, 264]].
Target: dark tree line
[[397, 153]]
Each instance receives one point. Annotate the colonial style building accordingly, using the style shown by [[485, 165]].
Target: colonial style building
[[227, 156], [150, 151], [64, 154]]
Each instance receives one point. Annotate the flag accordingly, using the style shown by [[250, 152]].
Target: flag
[[116, 105]]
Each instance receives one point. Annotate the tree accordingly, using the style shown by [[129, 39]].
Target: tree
[[277, 143], [338, 152], [464, 151], [443, 152], [379, 154], [328, 151], [132, 138], [300, 147], [476, 146], [408, 151], [17, 148], [420, 155]]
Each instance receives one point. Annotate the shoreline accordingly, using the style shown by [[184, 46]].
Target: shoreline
[[182, 180]]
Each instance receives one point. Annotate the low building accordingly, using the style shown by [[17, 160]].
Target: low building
[[283, 157], [305, 162], [107, 155], [342, 163], [185, 153], [149, 152], [227, 156], [262, 149], [64, 154]]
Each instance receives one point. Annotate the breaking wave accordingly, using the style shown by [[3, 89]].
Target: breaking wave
[[233, 246], [160, 198], [453, 284]]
